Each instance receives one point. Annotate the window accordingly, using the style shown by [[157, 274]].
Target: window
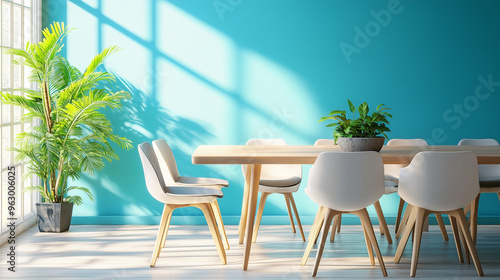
[[20, 22]]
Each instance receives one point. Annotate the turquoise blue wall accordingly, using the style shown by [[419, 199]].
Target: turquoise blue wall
[[224, 71]]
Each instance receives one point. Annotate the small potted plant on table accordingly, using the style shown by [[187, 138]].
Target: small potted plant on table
[[362, 133]]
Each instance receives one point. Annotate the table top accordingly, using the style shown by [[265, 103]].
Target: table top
[[293, 154]]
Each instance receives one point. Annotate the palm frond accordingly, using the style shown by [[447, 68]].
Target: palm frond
[[99, 59]]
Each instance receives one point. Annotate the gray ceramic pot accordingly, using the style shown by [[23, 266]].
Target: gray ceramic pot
[[358, 144], [54, 217]]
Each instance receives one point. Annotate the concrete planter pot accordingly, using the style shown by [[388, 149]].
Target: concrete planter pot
[[54, 217], [358, 144]]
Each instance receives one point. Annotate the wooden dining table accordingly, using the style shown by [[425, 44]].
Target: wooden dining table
[[255, 156]]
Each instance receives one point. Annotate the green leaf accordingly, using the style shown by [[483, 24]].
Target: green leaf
[[351, 106], [334, 112]]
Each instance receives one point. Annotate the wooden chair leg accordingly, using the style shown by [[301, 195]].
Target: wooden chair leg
[[339, 223], [406, 234], [290, 213], [220, 223], [382, 222], [244, 206], [294, 207], [324, 232], [367, 224], [467, 209], [160, 235], [466, 251], [320, 215], [262, 203], [167, 225], [404, 221], [369, 247], [313, 234], [473, 218], [335, 226], [419, 225], [210, 217], [440, 222], [462, 222], [400, 212], [456, 237]]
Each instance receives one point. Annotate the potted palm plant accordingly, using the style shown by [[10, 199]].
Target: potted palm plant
[[362, 133], [73, 136]]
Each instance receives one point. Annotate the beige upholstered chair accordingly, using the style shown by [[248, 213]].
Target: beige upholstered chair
[[438, 182], [277, 178], [165, 187], [489, 180], [335, 182]]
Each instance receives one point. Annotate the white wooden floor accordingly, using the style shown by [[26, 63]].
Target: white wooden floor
[[116, 252]]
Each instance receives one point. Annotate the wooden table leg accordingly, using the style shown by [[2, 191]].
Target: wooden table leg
[[244, 206], [473, 218], [252, 205]]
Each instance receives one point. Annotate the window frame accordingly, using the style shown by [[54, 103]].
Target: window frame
[[24, 202]]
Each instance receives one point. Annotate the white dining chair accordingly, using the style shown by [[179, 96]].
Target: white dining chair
[[391, 173], [336, 181], [277, 178], [489, 180], [438, 182], [389, 188], [177, 195]]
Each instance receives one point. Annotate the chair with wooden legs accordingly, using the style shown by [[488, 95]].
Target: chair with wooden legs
[[391, 172], [489, 181], [177, 196], [171, 176], [389, 188], [277, 178], [347, 182], [438, 182]]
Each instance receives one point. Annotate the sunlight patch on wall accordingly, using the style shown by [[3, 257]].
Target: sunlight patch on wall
[[135, 16], [186, 95], [196, 45], [92, 3], [84, 34], [133, 61], [282, 100]]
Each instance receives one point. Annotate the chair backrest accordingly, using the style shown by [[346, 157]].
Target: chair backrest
[[487, 172], [392, 170], [346, 181], [152, 172], [166, 160], [407, 142], [275, 171], [324, 142], [440, 181]]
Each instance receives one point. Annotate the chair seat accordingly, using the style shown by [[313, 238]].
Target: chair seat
[[200, 181], [190, 195], [389, 190], [489, 182], [275, 189], [282, 182], [391, 178]]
